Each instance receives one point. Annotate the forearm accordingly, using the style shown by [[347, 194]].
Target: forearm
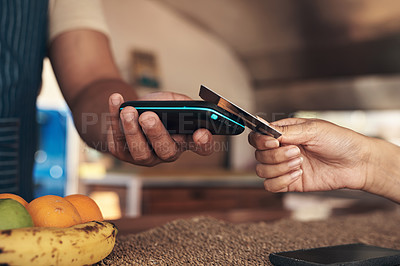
[[90, 110], [87, 75], [383, 176]]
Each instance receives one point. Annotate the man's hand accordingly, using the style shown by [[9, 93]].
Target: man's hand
[[311, 155], [143, 140], [87, 75]]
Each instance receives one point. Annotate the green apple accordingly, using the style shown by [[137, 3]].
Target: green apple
[[13, 215]]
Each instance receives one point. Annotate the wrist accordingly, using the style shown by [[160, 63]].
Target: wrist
[[372, 162], [383, 171]]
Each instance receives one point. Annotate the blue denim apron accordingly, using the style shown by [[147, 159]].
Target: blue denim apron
[[23, 44]]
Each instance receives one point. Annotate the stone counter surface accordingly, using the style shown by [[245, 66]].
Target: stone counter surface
[[208, 241]]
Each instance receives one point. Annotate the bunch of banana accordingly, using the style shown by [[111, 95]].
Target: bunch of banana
[[81, 244]]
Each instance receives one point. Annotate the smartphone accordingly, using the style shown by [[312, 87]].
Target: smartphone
[[351, 254], [185, 117]]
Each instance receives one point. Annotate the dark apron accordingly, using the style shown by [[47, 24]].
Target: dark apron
[[23, 44]]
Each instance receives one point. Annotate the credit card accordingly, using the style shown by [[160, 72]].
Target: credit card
[[255, 123]]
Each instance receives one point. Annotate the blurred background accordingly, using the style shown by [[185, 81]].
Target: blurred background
[[335, 60]]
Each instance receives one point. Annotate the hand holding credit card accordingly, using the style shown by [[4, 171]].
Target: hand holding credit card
[[253, 122]]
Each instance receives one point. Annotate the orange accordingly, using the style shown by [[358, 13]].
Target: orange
[[53, 211], [87, 208], [14, 197]]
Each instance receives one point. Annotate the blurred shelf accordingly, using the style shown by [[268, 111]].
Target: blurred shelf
[[154, 193], [204, 178]]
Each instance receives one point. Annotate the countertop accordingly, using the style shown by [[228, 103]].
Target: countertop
[[204, 240]]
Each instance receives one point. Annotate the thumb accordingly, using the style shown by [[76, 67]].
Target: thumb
[[296, 131]]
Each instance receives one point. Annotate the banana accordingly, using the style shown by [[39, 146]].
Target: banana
[[81, 244]]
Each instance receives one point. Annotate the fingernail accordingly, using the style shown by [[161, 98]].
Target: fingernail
[[149, 122], [292, 152], [115, 100], [295, 162], [204, 139], [272, 143], [128, 116], [296, 174]]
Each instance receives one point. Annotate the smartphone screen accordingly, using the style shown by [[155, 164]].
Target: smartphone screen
[[352, 254]]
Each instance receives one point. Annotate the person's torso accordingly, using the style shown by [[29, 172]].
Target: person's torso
[[23, 44]]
